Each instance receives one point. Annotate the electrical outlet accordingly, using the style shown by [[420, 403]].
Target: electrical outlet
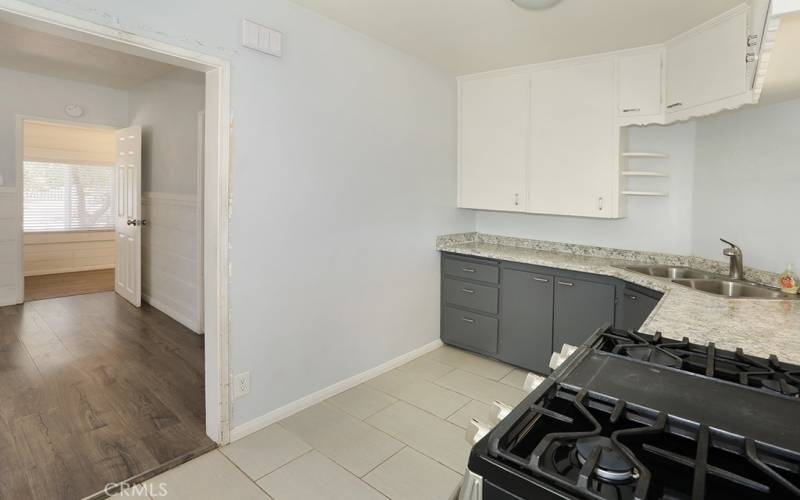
[[241, 385]]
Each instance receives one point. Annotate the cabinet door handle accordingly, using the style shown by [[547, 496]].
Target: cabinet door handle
[[468, 320], [631, 110], [600, 203], [516, 199], [632, 297], [674, 105], [467, 270], [566, 283], [542, 280], [468, 290]]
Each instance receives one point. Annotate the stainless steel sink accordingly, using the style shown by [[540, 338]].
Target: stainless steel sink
[[671, 272], [734, 289]]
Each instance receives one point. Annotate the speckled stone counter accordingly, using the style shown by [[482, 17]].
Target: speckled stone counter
[[760, 327]]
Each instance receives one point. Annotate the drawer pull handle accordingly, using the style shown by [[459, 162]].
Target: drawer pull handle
[[566, 283], [467, 270], [468, 290], [468, 320], [542, 280], [632, 297], [674, 105], [631, 110]]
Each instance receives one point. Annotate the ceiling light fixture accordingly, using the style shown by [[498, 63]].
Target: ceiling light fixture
[[535, 4]]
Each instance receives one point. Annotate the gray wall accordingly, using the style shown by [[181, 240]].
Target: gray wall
[[747, 185], [343, 174], [45, 97], [166, 108]]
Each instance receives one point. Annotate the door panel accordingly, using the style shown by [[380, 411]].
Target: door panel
[[715, 57], [574, 167], [526, 324], [640, 84], [581, 307], [128, 275], [494, 119]]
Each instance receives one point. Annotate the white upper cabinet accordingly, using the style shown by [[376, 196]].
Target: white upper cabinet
[[574, 166], [545, 138], [494, 130], [641, 91], [707, 66]]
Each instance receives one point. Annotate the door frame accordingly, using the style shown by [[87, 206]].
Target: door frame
[[216, 180]]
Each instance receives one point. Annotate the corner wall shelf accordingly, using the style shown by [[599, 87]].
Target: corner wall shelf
[[642, 173], [640, 154], [645, 193]]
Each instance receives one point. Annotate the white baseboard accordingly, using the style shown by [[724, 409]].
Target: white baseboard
[[170, 311], [301, 404]]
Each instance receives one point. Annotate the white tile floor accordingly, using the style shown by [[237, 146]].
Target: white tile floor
[[398, 436]]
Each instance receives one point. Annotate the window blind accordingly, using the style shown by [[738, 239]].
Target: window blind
[[65, 197]]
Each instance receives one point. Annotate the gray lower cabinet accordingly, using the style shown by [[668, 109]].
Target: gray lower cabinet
[[470, 330], [580, 308], [526, 319], [521, 313], [637, 304]]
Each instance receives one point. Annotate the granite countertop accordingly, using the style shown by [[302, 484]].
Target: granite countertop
[[759, 327]]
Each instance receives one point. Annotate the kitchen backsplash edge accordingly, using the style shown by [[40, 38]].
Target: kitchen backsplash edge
[[633, 256]]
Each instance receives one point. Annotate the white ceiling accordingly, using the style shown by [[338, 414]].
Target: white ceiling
[[33, 51], [469, 36], [783, 73]]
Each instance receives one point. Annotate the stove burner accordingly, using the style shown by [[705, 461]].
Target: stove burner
[[611, 465]]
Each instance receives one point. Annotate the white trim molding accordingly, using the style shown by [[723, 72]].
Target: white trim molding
[[216, 200], [10, 259], [301, 404]]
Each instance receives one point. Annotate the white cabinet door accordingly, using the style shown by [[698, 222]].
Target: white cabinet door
[[574, 168], [494, 118], [707, 64], [640, 89]]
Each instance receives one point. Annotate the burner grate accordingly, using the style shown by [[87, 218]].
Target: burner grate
[[767, 374], [599, 447]]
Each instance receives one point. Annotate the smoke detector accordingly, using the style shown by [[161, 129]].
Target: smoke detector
[[535, 4]]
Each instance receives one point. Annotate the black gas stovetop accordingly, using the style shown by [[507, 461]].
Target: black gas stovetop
[[634, 416]]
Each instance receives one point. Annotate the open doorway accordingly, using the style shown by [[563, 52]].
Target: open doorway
[[120, 332], [67, 178]]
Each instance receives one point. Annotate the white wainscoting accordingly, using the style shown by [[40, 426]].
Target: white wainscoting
[[68, 252], [171, 259], [9, 247]]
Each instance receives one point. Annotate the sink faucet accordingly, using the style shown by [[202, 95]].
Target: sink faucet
[[735, 253]]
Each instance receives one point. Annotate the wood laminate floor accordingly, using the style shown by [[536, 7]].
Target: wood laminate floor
[[64, 285], [93, 391]]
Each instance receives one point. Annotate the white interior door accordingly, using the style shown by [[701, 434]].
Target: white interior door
[[128, 275]]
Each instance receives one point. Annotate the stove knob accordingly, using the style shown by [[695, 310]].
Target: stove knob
[[499, 411], [476, 430], [567, 350], [559, 357], [532, 381], [555, 360]]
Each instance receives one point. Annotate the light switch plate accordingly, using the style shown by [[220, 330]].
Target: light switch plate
[[261, 38]]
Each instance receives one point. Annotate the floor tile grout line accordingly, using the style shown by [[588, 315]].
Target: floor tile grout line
[[405, 445], [298, 457], [465, 405]]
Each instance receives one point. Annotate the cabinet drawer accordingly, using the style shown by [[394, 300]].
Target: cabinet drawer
[[462, 293], [488, 273], [473, 331]]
